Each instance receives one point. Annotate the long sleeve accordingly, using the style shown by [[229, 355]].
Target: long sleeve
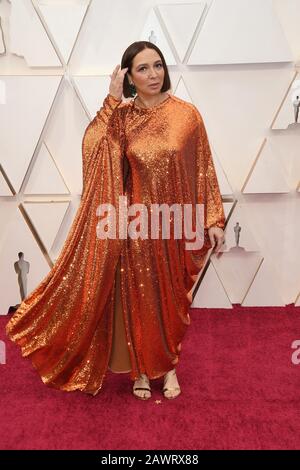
[[106, 124], [207, 186]]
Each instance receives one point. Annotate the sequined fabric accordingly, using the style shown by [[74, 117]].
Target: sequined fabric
[[65, 326]]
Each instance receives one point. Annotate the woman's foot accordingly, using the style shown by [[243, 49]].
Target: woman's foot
[[141, 388], [171, 387]]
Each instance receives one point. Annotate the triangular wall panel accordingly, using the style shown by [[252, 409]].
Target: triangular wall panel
[[180, 34], [241, 31], [153, 32], [92, 91], [264, 291], [64, 134], [46, 217], [267, 174], [28, 37], [211, 293], [63, 20], [238, 131], [45, 177], [30, 98], [236, 269]]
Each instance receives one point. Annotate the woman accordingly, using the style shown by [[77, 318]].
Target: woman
[[115, 301]]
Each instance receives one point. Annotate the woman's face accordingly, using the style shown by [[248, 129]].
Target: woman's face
[[147, 69]]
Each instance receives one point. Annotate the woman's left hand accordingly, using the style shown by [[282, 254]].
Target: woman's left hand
[[217, 237]]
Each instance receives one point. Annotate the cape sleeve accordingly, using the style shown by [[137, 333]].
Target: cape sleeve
[[64, 324], [206, 191], [207, 186], [104, 123]]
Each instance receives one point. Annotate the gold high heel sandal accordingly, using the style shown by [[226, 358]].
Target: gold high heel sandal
[[148, 389], [170, 389]]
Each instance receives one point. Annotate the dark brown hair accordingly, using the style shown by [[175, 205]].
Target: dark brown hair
[[127, 60]]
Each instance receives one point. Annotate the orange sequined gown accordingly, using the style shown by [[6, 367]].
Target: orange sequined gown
[[121, 304]]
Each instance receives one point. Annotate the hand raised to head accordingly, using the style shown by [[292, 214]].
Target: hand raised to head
[[116, 83]]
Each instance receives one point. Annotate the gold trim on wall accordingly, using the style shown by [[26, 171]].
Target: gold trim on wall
[[2, 171]]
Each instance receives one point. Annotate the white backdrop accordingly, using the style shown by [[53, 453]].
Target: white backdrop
[[236, 60]]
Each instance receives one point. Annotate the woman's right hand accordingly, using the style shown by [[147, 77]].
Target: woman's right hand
[[116, 83]]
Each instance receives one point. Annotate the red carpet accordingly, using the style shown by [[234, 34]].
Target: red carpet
[[240, 390]]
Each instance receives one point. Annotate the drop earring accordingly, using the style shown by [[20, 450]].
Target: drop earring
[[132, 89]]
